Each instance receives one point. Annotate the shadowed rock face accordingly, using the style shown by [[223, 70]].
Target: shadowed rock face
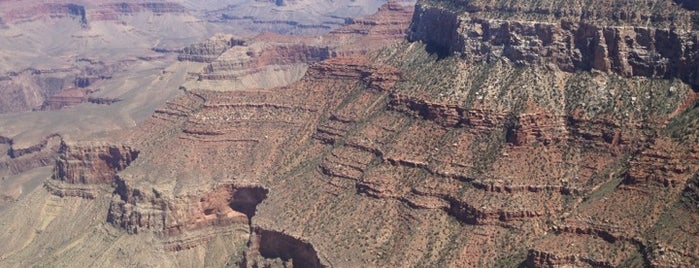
[[77, 11], [246, 200], [273, 245]]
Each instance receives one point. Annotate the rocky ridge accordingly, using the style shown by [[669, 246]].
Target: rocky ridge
[[294, 17], [241, 64], [56, 88], [21, 159], [85, 14], [567, 43]]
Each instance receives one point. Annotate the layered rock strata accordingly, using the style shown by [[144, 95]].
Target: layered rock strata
[[228, 204], [56, 88], [21, 159], [85, 13], [92, 164], [479, 146], [246, 63], [210, 49], [563, 41], [414, 157]]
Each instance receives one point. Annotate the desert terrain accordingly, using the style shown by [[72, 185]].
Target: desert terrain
[[466, 133]]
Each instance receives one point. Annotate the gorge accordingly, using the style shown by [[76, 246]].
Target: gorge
[[442, 133]]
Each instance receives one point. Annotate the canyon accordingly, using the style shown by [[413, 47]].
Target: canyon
[[99, 39], [475, 133]]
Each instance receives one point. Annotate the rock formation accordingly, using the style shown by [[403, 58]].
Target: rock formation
[[239, 64], [55, 88], [210, 49], [92, 164], [65, 98], [21, 159], [623, 45]]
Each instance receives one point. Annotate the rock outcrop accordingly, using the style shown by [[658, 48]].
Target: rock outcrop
[[52, 10], [136, 211], [66, 98], [210, 49], [568, 44], [21, 159], [55, 88], [87, 164]]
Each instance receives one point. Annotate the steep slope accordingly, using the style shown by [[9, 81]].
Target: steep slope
[[199, 216]]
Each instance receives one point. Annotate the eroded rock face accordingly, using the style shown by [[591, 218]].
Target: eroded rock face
[[55, 88], [29, 85], [478, 35], [66, 98], [296, 16], [20, 159], [137, 211], [86, 164], [239, 61], [273, 60], [112, 11]]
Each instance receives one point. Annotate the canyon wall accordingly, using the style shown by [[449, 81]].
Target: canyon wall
[[494, 136], [568, 44], [92, 164]]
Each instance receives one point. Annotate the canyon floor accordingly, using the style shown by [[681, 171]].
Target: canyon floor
[[476, 133]]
